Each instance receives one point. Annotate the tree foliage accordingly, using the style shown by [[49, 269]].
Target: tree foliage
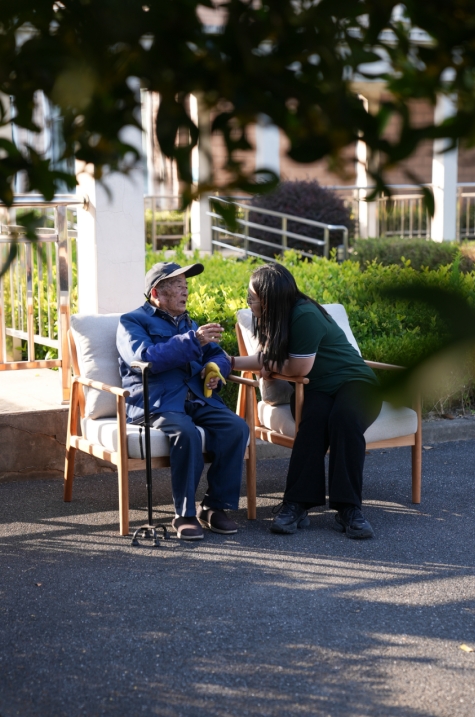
[[295, 61]]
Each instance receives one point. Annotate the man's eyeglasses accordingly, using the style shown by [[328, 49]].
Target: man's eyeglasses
[[250, 300]]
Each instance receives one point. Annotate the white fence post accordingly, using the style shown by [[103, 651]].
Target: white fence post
[[267, 145], [444, 179], [201, 159], [367, 211]]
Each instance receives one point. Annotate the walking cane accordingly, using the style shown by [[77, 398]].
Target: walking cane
[[147, 531]]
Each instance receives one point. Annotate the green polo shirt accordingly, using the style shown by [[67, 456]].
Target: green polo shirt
[[313, 333]]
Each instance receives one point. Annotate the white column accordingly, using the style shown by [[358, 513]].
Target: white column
[[367, 211], [267, 145], [444, 178], [6, 133], [148, 122], [111, 241], [201, 163]]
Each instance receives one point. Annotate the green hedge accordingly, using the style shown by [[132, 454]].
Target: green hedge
[[419, 253], [394, 332]]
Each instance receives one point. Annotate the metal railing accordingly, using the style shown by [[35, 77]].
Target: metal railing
[[165, 222], [35, 292], [403, 215], [465, 210], [253, 232]]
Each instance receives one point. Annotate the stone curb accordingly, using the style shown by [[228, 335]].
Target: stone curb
[[442, 430], [435, 431]]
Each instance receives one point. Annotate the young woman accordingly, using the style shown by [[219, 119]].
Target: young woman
[[299, 338]]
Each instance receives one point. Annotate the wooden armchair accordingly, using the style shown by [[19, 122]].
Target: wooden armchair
[[274, 423], [97, 422]]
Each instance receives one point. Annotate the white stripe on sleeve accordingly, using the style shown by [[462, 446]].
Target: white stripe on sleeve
[[302, 355]]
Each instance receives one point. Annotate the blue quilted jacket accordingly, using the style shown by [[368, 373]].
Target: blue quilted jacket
[[149, 334]]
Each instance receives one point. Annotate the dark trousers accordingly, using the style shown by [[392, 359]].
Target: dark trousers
[[226, 437], [337, 422]]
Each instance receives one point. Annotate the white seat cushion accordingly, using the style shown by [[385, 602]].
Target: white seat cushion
[[98, 359], [391, 422], [104, 432]]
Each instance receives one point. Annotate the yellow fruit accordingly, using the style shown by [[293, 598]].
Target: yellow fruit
[[211, 371]]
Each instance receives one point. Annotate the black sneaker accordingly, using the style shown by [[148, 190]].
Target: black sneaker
[[352, 522], [290, 517]]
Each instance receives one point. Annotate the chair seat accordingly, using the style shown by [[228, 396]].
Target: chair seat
[[391, 422], [103, 431]]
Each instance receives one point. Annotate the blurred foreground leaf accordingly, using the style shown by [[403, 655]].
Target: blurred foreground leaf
[[453, 352]]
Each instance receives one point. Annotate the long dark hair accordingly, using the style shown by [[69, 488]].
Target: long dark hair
[[278, 293]]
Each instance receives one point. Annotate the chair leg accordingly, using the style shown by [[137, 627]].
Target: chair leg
[[417, 458], [416, 473], [71, 452], [251, 461], [123, 467], [123, 479], [69, 473], [251, 487]]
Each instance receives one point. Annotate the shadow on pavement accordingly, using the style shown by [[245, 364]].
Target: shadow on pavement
[[251, 624]]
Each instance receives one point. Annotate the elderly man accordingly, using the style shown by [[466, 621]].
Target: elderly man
[[162, 333]]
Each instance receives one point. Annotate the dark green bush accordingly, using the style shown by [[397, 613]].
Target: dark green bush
[[417, 253]]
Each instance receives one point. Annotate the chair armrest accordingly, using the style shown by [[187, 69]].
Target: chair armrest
[[101, 386], [243, 381], [293, 379], [385, 366]]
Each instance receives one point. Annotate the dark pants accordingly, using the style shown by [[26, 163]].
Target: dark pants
[[337, 422], [226, 439]]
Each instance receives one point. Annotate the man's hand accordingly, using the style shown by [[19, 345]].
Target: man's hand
[[213, 382], [208, 333]]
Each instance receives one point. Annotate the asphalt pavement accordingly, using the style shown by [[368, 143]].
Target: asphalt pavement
[[251, 624]]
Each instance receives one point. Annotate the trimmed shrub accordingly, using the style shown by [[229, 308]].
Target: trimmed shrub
[[419, 253], [392, 331], [306, 199]]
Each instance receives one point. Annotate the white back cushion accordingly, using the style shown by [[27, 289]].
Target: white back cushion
[[275, 392], [336, 311], [244, 319], [278, 392], [338, 314], [98, 358]]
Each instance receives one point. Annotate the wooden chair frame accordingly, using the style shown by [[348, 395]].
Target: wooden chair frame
[[266, 434], [76, 442]]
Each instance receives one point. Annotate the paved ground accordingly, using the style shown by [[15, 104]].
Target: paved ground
[[32, 390], [255, 624]]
